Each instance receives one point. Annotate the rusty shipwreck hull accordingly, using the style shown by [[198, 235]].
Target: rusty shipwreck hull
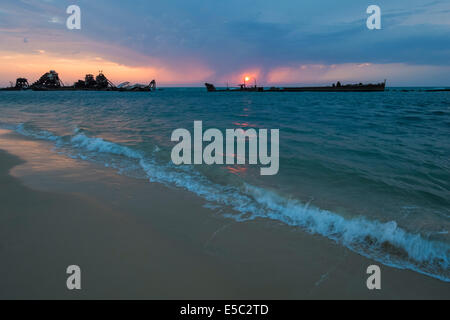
[[333, 88]]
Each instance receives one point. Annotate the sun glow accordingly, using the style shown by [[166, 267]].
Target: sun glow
[[32, 65]]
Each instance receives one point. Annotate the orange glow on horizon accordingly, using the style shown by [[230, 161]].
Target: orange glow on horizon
[[240, 76], [70, 69]]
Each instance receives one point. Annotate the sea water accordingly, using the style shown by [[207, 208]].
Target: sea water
[[370, 171]]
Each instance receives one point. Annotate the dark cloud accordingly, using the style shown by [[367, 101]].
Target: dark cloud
[[229, 35], [244, 33]]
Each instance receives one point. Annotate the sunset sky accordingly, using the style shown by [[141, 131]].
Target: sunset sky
[[179, 42]]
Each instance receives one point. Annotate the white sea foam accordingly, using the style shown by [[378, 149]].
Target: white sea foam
[[383, 241], [42, 134], [80, 140]]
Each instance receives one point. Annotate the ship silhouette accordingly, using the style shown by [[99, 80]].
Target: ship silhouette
[[335, 87]]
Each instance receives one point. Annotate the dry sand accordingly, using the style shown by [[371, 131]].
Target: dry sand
[[139, 240]]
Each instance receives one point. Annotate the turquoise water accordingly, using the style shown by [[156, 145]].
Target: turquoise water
[[370, 171]]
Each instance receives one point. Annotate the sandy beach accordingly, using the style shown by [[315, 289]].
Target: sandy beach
[[134, 239]]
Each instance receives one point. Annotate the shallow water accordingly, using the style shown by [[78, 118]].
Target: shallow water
[[370, 171]]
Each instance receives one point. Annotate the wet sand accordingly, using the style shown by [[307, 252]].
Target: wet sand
[[139, 240]]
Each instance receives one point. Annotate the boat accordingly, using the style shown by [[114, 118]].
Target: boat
[[127, 86], [102, 83], [21, 84], [335, 87], [242, 87], [50, 81]]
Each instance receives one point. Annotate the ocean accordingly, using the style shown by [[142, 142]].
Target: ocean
[[369, 171]]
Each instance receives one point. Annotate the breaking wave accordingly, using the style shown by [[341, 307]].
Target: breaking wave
[[385, 242]]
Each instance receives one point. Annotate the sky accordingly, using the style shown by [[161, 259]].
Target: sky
[[187, 43]]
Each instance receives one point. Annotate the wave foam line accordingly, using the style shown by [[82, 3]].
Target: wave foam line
[[385, 242]]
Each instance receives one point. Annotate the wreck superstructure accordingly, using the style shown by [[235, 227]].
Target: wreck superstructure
[[21, 84], [100, 82], [51, 81], [126, 86]]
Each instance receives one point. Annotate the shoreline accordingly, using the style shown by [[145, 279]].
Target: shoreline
[[136, 239]]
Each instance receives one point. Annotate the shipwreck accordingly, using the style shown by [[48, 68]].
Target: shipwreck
[[51, 81], [335, 87]]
